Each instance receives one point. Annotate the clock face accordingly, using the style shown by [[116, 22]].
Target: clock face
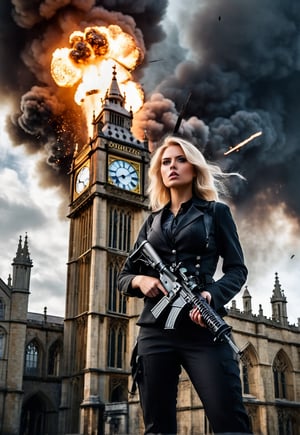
[[82, 179], [124, 174]]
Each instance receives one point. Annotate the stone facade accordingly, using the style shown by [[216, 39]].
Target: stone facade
[[31, 350], [42, 384], [31, 391], [270, 371]]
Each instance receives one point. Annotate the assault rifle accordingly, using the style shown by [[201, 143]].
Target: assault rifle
[[182, 290]]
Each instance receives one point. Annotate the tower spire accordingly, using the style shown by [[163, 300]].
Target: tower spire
[[114, 120], [113, 93], [279, 303], [22, 255], [22, 264], [247, 301]]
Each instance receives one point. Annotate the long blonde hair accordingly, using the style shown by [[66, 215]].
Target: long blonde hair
[[208, 181]]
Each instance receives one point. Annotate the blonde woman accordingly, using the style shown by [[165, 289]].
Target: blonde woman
[[188, 226]]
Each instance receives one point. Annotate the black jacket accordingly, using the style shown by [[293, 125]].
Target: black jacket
[[205, 233]]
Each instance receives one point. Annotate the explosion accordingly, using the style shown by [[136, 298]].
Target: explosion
[[88, 64]]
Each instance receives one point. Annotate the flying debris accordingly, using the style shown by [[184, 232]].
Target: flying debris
[[292, 256], [241, 144], [182, 113]]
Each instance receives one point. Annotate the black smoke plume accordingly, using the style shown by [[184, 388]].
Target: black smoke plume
[[242, 65]]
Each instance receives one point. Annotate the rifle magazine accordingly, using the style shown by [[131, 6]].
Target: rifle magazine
[[160, 306], [176, 308]]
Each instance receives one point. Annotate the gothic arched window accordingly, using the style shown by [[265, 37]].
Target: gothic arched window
[[54, 359], [279, 380], [249, 371], [245, 379], [118, 389], [2, 343], [2, 309], [116, 346], [119, 236], [31, 359], [116, 300], [282, 376]]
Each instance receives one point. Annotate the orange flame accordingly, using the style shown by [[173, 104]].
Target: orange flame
[[88, 65]]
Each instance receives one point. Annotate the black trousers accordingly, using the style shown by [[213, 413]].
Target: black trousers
[[212, 369]]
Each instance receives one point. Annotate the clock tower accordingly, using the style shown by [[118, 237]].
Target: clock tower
[[108, 205]]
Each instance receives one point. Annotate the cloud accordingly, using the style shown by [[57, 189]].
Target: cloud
[[28, 208]]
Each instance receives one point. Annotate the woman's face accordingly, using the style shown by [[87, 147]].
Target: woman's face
[[176, 171]]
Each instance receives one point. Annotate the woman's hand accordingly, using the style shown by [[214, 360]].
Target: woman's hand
[[149, 285], [195, 313]]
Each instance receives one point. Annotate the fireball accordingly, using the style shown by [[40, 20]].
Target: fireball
[[88, 62]]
